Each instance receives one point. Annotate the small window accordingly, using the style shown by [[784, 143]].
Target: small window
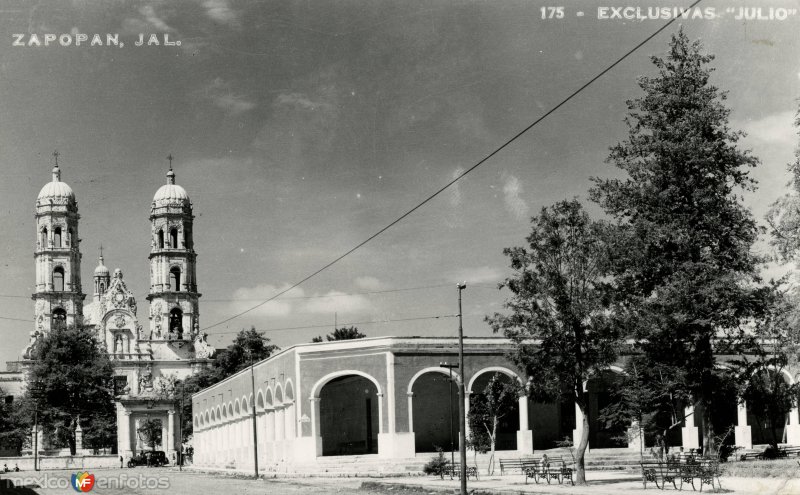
[[175, 279], [58, 279], [120, 383], [69, 237], [102, 288], [173, 238], [161, 239], [59, 318], [57, 237], [44, 238]]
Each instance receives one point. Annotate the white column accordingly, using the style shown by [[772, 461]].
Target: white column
[[742, 432], [793, 429], [689, 434], [466, 413], [524, 435], [170, 443], [635, 437]]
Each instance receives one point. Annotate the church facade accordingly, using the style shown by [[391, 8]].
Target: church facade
[[149, 347]]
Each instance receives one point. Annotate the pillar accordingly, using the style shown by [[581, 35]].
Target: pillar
[[78, 439], [793, 429], [690, 436], [308, 448], [170, 443], [742, 432], [123, 431], [635, 439], [524, 435]]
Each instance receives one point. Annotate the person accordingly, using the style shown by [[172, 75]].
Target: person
[[5, 467], [16, 467], [120, 461]]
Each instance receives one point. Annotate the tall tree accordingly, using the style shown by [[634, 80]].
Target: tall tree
[[343, 333], [688, 273], [783, 216], [76, 383], [559, 314]]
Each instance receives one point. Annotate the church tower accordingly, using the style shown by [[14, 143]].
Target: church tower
[[173, 292], [102, 277], [58, 299]]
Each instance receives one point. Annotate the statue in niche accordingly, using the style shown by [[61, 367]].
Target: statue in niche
[[118, 344], [146, 380]]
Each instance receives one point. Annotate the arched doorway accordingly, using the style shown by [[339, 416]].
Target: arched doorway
[[435, 412], [600, 395], [509, 424], [349, 416]]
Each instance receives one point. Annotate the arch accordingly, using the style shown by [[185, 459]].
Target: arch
[[288, 395], [176, 323], [245, 405], [175, 279], [58, 279], [161, 239], [43, 238], [173, 238], [207, 417], [224, 412], [214, 415], [349, 415], [496, 369], [336, 374], [278, 394], [430, 369], [260, 401], [57, 237], [59, 319], [268, 401], [433, 409], [230, 410], [237, 410]]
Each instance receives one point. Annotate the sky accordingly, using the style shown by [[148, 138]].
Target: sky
[[300, 128]]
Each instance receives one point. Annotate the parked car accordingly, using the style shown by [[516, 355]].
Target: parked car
[[148, 458]]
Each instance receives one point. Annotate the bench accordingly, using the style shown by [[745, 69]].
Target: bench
[[790, 450], [521, 463], [454, 470], [549, 469], [661, 473]]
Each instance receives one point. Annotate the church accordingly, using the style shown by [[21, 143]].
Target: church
[[149, 351]]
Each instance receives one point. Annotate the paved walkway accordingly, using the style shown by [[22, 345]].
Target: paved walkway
[[600, 483]]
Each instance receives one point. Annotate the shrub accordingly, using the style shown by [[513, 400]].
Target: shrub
[[437, 466]]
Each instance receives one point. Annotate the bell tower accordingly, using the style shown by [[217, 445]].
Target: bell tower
[[58, 300], [173, 292]]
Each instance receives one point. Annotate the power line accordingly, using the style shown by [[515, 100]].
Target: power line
[[327, 325], [29, 320], [342, 294]]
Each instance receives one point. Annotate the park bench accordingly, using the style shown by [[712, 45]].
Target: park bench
[[549, 469], [790, 451], [661, 473], [701, 470], [454, 470], [521, 463]]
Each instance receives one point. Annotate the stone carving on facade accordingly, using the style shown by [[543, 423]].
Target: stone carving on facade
[[146, 380], [202, 349], [186, 307], [119, 321], [40, 323], [118, 344]]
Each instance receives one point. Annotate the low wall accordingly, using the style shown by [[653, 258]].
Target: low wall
[[62, 462]]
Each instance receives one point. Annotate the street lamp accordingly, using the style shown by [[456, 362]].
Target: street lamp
[[462, 420], [450, 396]]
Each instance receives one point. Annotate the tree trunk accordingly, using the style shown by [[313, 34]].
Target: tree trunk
[[493, 442], [709, 441], [580, 450]]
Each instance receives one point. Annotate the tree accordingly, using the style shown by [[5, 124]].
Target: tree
[[249, 347], [487, 408], [150, 431], [76, 380], [559, 315], [783, 216], [344, 333], [15, 424], [687, 273]]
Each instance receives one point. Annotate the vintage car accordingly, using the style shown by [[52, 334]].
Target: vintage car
[[149, 458]]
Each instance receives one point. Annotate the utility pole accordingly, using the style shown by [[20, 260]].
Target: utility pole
[[255, 425], [180, 432], [450, 396], [462, 420]]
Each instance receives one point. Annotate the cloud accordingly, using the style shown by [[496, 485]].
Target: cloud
[[247, 297], [221, 94], [220, 12], [300, 102], [337, 302], [776, 128], [148, 22], [512, 192], [480, 275], [455, 189], [368, 283]]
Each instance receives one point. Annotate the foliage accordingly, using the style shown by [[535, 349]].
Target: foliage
[[560, 301], [150, 431], [437, 466], [344, 333], [487, 408], [249, 347], [15, 425], [685, 269], [73, 379], [783, 216]]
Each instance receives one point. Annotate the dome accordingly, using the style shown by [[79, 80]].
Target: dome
[[101, 270], [56, 190], [170, 192]]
